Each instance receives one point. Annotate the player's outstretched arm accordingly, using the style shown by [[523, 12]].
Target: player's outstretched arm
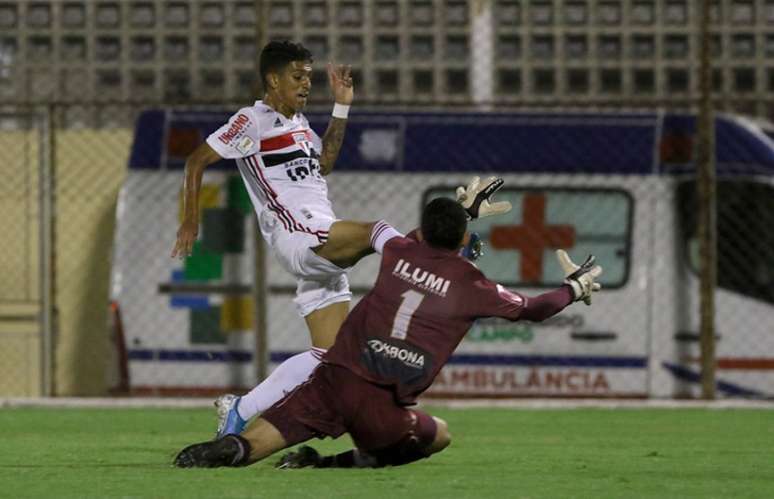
[[578, 285], [340, 80], [195, 164], [546, 305]]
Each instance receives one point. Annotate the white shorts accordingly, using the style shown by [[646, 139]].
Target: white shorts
[[320, 282]]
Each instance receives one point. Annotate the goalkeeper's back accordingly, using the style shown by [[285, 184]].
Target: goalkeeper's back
[[424, 301]]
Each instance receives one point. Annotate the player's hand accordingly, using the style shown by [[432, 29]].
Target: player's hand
[[580, 277], [477, 196], [340, 80], [186, 236]]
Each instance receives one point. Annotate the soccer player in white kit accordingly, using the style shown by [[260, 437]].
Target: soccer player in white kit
[[283, 164]]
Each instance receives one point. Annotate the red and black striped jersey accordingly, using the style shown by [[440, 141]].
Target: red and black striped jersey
[[278, 158]]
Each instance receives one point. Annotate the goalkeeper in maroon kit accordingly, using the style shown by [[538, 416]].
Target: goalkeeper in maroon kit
[[388, 352]]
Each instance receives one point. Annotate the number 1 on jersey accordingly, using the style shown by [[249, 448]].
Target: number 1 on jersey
[[409, 305]]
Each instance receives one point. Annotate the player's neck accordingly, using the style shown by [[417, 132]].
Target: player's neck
[[275, 103]]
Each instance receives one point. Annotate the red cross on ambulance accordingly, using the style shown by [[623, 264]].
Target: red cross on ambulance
[[532, 237]]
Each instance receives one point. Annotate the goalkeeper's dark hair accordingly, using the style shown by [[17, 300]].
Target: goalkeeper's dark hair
[[444, 223], [278, 54]]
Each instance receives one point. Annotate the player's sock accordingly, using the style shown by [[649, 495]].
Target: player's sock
[[354, 458], [306, 456], [282, 380], [381, 233]]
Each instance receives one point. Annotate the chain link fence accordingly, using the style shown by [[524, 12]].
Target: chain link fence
[[21, 143], [582, 105]]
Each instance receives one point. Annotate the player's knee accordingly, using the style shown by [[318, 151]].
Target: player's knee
[[442, 436], [347, 243], [356, 236]]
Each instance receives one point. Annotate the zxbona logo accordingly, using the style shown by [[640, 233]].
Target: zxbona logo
[[408, 357]]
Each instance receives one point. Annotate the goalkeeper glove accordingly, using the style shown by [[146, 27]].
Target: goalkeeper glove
[[580, 278], [475, 198]]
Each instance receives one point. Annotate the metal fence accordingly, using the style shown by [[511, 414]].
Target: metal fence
[[25, 220], [604, 164]]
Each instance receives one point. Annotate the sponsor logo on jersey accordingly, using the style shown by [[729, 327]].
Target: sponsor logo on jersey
[[245, 145], [277, 123], [235, 130], [300, 139], [421, 278], [405, 355]]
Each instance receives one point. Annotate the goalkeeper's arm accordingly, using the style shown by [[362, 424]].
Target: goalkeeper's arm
[[578, 285]]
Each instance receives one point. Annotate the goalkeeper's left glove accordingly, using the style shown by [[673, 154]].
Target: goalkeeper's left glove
[[476, 197], [580, 277]]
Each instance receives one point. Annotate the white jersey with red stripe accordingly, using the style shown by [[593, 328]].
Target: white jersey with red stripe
[[278, 158]]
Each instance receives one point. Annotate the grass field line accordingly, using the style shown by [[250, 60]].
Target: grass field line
[[150, 402]]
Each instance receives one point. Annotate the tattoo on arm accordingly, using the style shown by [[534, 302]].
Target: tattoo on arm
[[332, 140]]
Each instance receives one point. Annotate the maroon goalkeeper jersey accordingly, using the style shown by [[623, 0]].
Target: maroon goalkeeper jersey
[[424, 301]]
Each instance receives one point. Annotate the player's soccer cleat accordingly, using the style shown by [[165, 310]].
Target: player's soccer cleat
[[303, 457], [229, 420], [474, 249], [222, 452]]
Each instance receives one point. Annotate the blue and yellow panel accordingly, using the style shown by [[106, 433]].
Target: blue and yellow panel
[[222, 232]]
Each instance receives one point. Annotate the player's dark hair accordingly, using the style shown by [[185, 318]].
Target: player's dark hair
[[444, 223], [278, 54]]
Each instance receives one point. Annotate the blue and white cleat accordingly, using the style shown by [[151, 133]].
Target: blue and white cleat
[[474, 249], [229, 420]]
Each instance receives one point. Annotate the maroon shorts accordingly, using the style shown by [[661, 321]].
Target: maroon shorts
[[335, 401]]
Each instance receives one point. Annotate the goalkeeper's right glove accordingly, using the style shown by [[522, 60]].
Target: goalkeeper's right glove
[[580, 278], [476, 197]]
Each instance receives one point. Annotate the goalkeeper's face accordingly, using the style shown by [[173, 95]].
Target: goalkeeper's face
[[293, 84]]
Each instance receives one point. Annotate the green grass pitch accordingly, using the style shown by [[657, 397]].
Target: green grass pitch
[[584, 453]]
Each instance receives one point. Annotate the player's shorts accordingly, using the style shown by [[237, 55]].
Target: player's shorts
[[335, 401], [320, 282]]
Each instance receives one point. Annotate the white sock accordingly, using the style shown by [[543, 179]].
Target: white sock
[[282, 380], [381, 233]]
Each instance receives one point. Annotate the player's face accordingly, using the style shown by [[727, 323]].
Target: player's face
[[294, 84]]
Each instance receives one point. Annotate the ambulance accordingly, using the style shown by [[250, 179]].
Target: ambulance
[[618, 185]]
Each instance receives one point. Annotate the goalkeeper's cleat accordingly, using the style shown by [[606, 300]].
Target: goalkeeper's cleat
[[228, 451], [229, 420], [303, 457], [474, 249]]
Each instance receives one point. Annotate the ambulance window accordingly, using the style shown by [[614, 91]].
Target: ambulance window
[[519, 246], [745, 217]]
